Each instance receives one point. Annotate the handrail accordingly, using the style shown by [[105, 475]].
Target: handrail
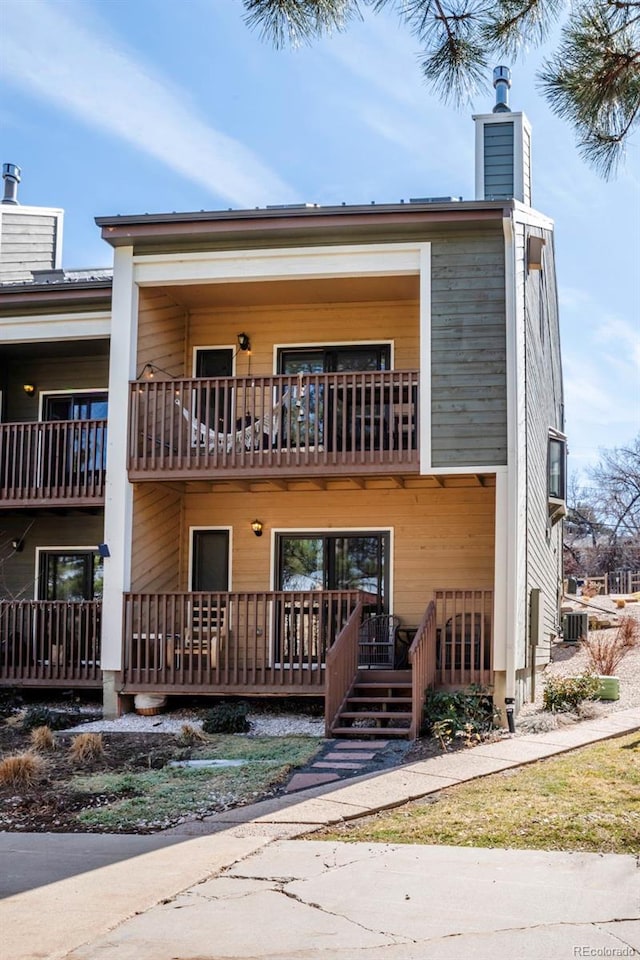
[[422, 657], [341, 668]]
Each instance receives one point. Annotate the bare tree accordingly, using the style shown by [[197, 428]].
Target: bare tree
[[592, 80]]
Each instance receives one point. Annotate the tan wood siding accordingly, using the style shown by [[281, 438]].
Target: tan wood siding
[[441, 537], [544, 401], [57, 373], [468, 358], [161, 333], [155, 556], [18, 569]]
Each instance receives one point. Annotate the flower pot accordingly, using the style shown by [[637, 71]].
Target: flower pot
[[148, 705], [609, 688]]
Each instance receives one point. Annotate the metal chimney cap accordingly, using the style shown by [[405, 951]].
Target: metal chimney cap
[[11, 170], [502, 82], [501, 74], [11, 176]]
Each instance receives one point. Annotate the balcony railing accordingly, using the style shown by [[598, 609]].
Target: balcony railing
[[50, 643], [61, 461], [464, 637], [255, 643], [313, 423]]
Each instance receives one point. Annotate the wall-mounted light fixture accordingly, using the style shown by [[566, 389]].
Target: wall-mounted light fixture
[[18, 545], [256, 526], [103, 550], [244, 342], [29, 389]]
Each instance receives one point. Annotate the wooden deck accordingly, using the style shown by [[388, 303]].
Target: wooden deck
[[317, 424], [53, 463]]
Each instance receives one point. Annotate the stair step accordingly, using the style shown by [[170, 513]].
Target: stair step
[[380, 732], [373, 699], [376, 714], [382, 686], [395, 676]]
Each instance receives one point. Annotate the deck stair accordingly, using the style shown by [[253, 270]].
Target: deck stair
[[378, 705]]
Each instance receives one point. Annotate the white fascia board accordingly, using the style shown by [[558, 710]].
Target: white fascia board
[[91, 325], [227, 266], [424, 393], [32, 211], [466, 471], [531, 217]]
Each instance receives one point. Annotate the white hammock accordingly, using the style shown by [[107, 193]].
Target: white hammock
[[249, 437]]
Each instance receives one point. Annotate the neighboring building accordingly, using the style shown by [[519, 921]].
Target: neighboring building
[[319, 414]]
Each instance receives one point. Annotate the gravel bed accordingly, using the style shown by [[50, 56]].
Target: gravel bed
[[274, 725]]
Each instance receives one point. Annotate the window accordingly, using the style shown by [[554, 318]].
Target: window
[[70, 575], [75, 406], [557, 475]]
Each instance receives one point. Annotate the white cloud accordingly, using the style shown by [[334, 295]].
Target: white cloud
[[50, 53]]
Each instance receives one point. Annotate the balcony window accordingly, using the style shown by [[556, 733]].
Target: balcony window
[[557, 476], [70, 575]]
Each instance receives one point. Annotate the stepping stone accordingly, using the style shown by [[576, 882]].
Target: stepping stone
[[349, 755], [301, 781], [347, 765], [360, 744]]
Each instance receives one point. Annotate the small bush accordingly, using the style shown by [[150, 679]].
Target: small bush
[[86, 746], [42, 738], [467, 715], [44, 717], [21, 769], [605, 653], [190, 735], [567, 693], [227, 718], [621, 604]]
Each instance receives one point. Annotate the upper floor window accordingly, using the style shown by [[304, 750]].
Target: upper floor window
[[330, 359], [557, 475]]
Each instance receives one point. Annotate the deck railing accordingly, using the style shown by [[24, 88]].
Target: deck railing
[[422, 657], [50, 643], [342, 668], [317, 423], [273, 642], [464, 634], [44, 462]]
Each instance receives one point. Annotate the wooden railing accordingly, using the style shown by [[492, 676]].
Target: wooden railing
[[50, 643], [422, 657], [315, 423], [464, 633], [274, 642], [342, 668], [44, 462]]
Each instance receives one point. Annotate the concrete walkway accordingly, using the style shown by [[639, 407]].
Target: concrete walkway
[[237, 885]]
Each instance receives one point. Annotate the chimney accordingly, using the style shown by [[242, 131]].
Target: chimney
[[11, 176], [503, 148]]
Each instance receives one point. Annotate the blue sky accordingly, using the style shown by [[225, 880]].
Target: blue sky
[[145, 106]]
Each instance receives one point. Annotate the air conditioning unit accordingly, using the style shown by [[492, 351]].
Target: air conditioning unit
[[574, 626]]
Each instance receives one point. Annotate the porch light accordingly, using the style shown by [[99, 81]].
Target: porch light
[[256, 526], [17, 545], [29, 389], [149, 371], [244, 342]]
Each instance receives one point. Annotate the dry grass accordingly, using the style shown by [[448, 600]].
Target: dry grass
[[585, 800], [86, 746], [21, 770], [190, 735], [605, 653], [42, 739]]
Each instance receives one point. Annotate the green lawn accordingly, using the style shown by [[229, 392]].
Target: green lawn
[[586, 800]]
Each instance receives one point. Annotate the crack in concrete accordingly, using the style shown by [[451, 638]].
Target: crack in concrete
[[625, 943], [529, 927]]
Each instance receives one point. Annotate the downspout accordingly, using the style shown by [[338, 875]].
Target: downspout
[[511, 316]]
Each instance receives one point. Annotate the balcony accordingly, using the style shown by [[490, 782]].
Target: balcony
[[50, 643], [313, 424], [53, 463]]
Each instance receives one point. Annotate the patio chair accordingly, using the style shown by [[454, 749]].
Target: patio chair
[[377, 641]]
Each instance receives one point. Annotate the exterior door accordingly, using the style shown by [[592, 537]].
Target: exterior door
[[75, 453], [210, 561], [216, 402]]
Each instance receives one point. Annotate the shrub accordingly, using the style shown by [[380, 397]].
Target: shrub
[[86, 746], [21, 769], [621, 604], [44, 717], [42, 738], [190, 735], [227, 718], [567, 693], [605, 653], [465, 714]]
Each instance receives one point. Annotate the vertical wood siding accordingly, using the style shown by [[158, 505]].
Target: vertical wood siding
[[544, 400]]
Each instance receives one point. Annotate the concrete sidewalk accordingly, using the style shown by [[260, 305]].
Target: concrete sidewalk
[[237, 885]]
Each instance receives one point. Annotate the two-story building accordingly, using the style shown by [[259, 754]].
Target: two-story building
[[334, 457]]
